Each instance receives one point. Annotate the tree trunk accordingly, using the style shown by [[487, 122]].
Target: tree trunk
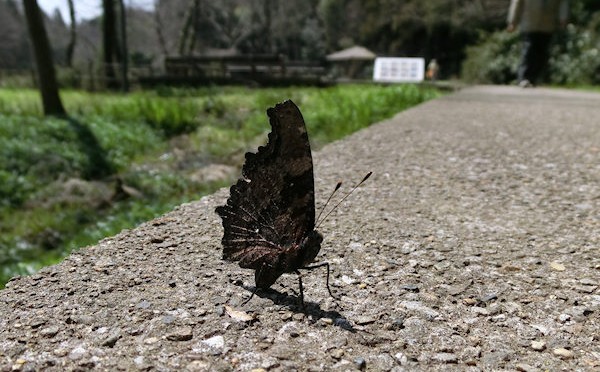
[[159, 27], [109, 42], [188, 24], [124, 53], [268, 26], [43, 59], [72, 34]]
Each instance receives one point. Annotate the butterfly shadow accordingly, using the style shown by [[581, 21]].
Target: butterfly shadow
[[292, 302]]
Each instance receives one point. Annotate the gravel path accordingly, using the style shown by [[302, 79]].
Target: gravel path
[[474, 246]]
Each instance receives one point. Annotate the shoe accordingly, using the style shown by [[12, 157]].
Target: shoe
[[525, 83]]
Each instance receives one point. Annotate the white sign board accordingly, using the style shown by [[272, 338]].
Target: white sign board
[[399, 70]]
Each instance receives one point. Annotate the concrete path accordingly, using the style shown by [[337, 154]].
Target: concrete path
[[475, 246]]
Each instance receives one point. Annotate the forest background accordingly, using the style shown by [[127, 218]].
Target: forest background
[[466, 37]]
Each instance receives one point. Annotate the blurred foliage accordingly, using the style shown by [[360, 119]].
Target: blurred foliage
[[574, 54], [494, 60]]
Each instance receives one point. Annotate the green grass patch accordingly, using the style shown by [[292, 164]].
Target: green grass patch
[[60, 178]]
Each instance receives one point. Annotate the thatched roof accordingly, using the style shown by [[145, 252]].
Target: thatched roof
[[354, 53]]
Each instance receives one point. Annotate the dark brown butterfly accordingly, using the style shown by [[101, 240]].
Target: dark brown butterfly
[[269, 218]]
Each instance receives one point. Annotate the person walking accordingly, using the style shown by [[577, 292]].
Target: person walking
[[537, 20]]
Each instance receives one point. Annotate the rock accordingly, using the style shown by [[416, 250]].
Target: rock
[[401, 358], [563, 353], [563, 318], [445, 358], [181, 334], [348, 280], [168, 319], [360, 363], [366, 319], [151, 340], [238, 315], [326, 321], [381, 362], [337, 353], [589, 281], [112, 339], [417, 306], [489, 297], [522, 367], [143, 304], [77, 353], [557, 266], [50, 331], [215, 342], [538, 345], [410, 287], [480, 311]]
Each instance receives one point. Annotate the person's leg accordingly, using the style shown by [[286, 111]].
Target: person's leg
[[540, 42], [524, 70]]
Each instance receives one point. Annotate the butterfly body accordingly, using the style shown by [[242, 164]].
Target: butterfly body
[[269, 218]]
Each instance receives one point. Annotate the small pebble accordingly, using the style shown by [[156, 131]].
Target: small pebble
[[337, 353], [563, 353], [538, 345], [469, 301], [50, 331], [445, 358], [410, 287], [77, 353], [588, 281], [287, 315], [563, 318], [480, 311], [489, 297], [327, 321], [360, 363], [366, 319], [298, 316], [143, 305], [401, 358], [151, 340], [216, 342], [181, 334], [522, 367]]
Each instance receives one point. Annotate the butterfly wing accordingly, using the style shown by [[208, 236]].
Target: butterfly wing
[[271, 208]]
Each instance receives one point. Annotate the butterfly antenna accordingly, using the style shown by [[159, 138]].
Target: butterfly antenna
[[337, 187], [344, 198]]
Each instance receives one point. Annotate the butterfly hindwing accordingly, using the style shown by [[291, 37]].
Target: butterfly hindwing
[[271, 209]]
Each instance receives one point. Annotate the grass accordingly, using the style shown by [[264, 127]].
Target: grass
[[58, 177]]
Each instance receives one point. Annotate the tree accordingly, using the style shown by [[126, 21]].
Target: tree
[[187, 39], [72, 34], [124, 54], [43, 59], [110, 49]]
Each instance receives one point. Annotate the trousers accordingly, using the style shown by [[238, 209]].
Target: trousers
[[534, 55]]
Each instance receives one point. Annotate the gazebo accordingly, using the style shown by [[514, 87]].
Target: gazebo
[[351, 61]]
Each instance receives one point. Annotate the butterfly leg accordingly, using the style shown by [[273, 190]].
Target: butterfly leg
[[301, 290], [326, 264], [259, 274], [249, 298]]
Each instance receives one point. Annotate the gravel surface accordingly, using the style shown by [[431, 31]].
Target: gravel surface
[[474, 246]]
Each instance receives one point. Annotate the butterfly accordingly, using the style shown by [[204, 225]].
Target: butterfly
[[269, 217]]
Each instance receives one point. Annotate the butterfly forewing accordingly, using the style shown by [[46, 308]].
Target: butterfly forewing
[[271, 209]]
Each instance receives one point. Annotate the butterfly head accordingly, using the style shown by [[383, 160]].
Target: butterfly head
[[310, 246]]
